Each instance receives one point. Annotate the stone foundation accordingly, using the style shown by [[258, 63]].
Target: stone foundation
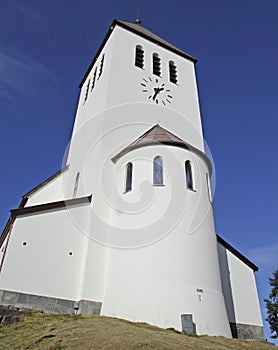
[[248, 332], [49, 305]]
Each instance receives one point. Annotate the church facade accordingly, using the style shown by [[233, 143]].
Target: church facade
[[126, 229]]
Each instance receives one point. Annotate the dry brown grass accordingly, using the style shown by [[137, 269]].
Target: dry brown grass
[[54, 332]]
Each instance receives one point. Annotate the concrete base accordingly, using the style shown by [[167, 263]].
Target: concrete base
[[248, 332], [49, 305]]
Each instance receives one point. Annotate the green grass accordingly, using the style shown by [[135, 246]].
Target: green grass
[[54, 332]]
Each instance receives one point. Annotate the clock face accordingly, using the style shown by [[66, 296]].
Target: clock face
[[156, 91]]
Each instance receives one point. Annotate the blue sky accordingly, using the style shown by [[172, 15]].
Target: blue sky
[[46, 47]]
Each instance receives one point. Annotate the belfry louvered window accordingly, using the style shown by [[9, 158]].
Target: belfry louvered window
[[139, 56], [173, 75], [128, 180], [188, 175], [157, 171], [87, 90], [156, 64], [101, 66], [94, 79]]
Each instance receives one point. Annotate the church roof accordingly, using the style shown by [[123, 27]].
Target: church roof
[[157, 135], [236, 253], [45, 182], [138, 29]]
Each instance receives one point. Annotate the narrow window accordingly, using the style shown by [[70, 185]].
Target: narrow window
[[173, 72], [101, 67], [128, 180], [139, 57], [156, 64], [158, 171], [209, 187], [188, 174], [76, 183], [87, 90], [94, 79]]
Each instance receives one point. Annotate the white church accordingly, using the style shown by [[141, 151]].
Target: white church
[[126, 228]]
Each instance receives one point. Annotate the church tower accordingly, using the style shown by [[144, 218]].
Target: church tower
[[132, 208], [138, 147]]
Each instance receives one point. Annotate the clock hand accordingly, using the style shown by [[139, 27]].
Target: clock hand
[[157, 91]]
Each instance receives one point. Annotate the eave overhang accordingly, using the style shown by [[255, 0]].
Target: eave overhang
[[237, 253], [45, 182], [22, 210], [50, 206]]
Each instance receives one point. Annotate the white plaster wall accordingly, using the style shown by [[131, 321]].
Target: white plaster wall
[[240, 289], [117, 111], [3, 247], [43, 266], [164, 249], [94, 271], [51, 192]]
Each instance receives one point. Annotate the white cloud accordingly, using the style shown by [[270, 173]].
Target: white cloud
[[265, 255], [26, 11], [23, 75], [13, 10]]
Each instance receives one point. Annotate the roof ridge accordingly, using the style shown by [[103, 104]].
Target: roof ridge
[[157, 127], [167, 132]]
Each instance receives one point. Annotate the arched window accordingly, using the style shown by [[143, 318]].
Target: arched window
[[158, 171], [188, 175], [76, 183], [128, 179], [156, 64], [139, 56], [173, 76]]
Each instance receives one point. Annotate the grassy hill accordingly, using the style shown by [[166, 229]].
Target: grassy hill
[[53, 332]]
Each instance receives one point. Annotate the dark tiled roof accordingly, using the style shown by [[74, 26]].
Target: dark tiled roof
[[141, 31], [160, 136]]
